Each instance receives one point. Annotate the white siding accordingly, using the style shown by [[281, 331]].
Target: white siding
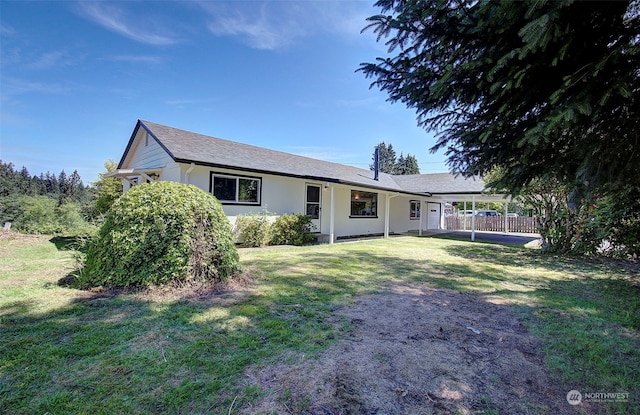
[[346, 225], [146, 153], [280, 195], [399, 220]]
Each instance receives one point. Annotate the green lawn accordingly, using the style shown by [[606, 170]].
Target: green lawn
[[65, 351]]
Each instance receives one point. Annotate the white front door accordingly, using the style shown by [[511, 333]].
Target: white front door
[[312, 205], [433, 215]]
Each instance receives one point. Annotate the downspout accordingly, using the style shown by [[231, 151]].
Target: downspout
[[386, 214], [187, 174], [332, 209]]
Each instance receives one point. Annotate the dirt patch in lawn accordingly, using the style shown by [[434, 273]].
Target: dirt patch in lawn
[[418, 350]]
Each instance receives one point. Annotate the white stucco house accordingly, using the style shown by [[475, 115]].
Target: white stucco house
[[343, 200]]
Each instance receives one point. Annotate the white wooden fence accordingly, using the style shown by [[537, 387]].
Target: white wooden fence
[[521, 224]]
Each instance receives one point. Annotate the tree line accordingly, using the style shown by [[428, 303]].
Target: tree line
[[389, 163], [63, 186], [48, 203]]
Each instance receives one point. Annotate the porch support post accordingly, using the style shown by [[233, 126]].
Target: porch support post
[[332, 215], [386, 213], [464, 216], [422, 202], [473, 218], [506, 218]]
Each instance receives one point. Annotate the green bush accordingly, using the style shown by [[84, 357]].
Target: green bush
[[160, 233], [43, 215], [290, 229], [252, 230]]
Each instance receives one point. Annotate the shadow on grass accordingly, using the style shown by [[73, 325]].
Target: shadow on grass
[[127, 354], [70, 243], [117, 352]]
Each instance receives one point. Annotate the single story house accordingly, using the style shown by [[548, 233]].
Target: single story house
[[342, 200]]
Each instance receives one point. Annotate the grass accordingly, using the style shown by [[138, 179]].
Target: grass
[[64, 351]]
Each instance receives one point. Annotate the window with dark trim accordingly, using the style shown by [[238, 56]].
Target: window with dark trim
[[364, 204], [236, 189], [414, 209]]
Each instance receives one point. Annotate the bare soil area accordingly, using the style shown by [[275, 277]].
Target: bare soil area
[[418, 350]]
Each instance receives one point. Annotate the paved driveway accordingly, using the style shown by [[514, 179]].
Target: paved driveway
[[522, 239]]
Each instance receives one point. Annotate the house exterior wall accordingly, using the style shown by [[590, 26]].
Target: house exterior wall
[[399, 219], [281, 194], [147, 153], [346, 225]]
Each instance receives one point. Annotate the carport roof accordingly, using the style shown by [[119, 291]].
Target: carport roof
[[440, 183]]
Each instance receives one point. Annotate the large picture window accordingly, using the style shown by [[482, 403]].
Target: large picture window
[[364, 204], [414, 210], [236, 189]]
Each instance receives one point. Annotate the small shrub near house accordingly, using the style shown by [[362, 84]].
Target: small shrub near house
[[255, 230], [252, 230], [161, 233], [292, 229]]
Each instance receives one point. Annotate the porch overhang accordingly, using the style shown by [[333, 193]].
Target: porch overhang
[[150, 174]]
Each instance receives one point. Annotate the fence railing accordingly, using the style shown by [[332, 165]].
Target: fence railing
[[521, 224]]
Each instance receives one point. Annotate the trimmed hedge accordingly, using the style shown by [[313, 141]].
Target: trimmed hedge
[[256, 230], [158, 233], [290, 229]]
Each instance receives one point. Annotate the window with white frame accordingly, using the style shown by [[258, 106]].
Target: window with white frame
[[364, 204], [236, 189], [414, 210]]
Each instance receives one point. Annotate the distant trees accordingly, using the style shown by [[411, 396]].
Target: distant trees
[[389, 163], [62, 186], [46, 203]]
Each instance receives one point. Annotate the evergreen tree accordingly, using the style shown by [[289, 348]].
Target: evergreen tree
[[63, 184], [51, 184], [386, 158], [389, 164], [8, 184], [407, 165], [543, 88]]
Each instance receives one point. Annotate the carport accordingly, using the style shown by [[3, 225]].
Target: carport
[[446, 188], [471, 199]]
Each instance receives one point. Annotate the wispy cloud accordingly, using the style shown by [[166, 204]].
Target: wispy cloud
[[275, 25], [148, 59], [117, 20], [6, 29], [258, 27], [14, 86], [54, 59], [357, 103], [320, 153], [189, 102]]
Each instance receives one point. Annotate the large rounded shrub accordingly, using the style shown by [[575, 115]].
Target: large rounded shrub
[[159, 233]]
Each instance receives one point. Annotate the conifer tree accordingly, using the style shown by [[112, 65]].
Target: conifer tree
[[542, 88]]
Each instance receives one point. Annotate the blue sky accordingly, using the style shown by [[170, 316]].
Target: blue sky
[[76, 76]]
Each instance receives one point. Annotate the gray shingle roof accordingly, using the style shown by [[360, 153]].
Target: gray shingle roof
[[188, 147], [440, 183]]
